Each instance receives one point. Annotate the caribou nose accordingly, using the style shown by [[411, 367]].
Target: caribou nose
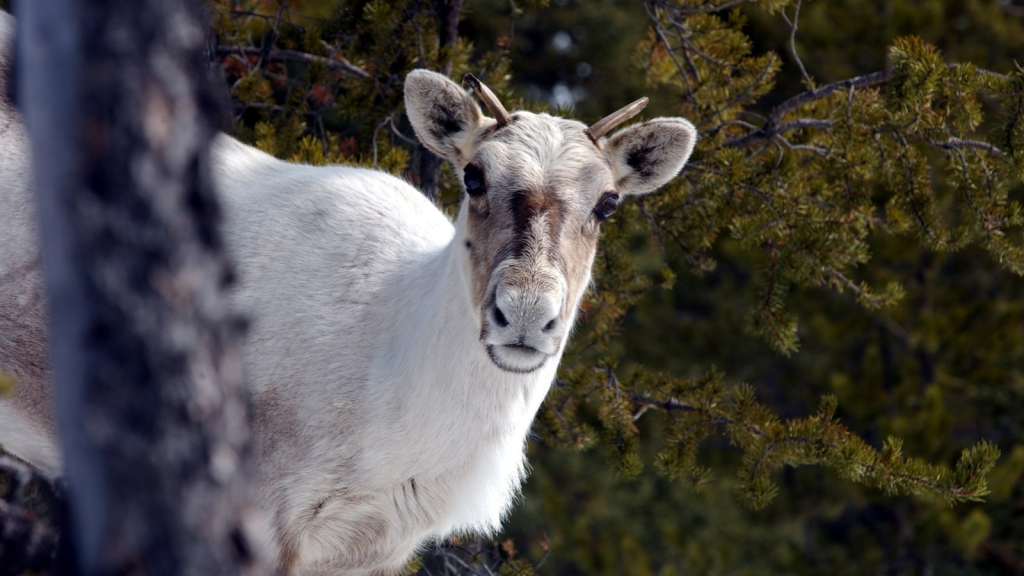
[[526, 318]]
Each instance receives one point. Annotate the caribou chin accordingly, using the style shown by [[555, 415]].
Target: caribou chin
[[517, 358]]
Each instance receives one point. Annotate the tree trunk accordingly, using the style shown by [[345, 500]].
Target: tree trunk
[[147, 374], [447, 12], [448, 31]]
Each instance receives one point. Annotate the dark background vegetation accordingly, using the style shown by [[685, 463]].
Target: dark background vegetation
[[965, 315]]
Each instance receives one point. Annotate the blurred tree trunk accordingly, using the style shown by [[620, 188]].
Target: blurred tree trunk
[[147, 374], [447, 12]]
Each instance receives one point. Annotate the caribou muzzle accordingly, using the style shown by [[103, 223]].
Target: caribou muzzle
[[522, 328]]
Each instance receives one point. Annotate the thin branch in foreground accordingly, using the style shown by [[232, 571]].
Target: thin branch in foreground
[[957, 143], [792, 43]]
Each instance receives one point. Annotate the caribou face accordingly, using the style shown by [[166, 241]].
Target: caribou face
[[536, 192], [537, 188]]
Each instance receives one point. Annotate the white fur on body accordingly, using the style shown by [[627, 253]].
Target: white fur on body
[[376, 426], [26, 427], [395, 360], [419, 434]]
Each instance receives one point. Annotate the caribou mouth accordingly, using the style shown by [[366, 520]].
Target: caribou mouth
[[516, 358]]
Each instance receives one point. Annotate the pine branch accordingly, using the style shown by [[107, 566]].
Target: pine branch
[[956, 143], [706, 9], [773, 126], [823, 440], [338, 65]]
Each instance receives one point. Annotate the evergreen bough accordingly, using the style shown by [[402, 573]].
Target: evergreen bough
[[924, 151]]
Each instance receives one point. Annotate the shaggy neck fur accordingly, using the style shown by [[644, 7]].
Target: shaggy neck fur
[[485, 413]]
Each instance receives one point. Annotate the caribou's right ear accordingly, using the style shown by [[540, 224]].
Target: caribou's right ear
[[446, 119], [644, 157]]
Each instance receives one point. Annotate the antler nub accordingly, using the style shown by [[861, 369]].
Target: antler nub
[[604, 125], [489, 99]]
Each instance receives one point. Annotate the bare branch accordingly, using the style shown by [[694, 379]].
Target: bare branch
[[661, 35], [772, 127], [957, 143], [341, 65], [700, 9], [792, 43], [654, 227], [826, 90], [383, 121], [398, 133], [805, 123], [846, 281]]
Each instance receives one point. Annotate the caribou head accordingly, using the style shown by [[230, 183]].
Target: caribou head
[[537, 188]]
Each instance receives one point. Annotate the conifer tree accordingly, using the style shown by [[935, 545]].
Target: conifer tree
[[801, 193]]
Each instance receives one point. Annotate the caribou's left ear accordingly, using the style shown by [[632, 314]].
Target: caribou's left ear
[[646, 156], [444, 116]]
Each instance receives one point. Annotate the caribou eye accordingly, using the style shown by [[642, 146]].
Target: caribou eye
[[606, 205], [473, 178]]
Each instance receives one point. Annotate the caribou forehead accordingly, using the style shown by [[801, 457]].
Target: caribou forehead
[[545, 155], [534, 223]]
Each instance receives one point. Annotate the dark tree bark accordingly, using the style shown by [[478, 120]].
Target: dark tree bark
[[447, 12], [147, 374], [430, 167]]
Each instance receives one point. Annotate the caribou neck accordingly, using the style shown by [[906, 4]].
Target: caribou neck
[[437, 365]]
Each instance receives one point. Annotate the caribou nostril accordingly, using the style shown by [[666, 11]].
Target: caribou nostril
[[550, 325], [499, 318]]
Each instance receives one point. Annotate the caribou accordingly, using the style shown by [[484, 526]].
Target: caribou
[[395, 359]]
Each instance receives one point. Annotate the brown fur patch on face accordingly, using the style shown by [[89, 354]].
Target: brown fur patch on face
[[509, 230], [528, 205]]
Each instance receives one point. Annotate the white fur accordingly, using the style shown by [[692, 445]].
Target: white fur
[[380, 421], [28, 440], [382, 370]]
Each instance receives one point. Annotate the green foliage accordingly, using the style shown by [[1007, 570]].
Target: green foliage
[[329, 89], [847, 238], [698, 406]]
